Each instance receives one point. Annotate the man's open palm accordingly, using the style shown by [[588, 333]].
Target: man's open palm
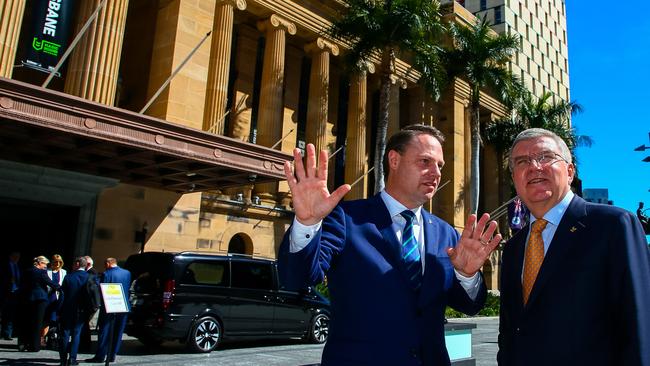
[[312, 200]]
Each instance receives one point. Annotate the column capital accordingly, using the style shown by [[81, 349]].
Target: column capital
[[366, 67], [322, 45], [239, 4], [276, 21], [396, 80]]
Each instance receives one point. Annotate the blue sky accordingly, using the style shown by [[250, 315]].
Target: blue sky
[[609, 71]]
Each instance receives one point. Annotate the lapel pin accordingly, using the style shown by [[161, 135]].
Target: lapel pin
[[573, 229]]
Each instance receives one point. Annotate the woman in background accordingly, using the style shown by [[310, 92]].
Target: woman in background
[[33, 303], [56, 273]]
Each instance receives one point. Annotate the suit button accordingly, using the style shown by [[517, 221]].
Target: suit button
[[518, 330], [414, 352]]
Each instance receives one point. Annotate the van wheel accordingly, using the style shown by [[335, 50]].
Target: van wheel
[[205, 335], [320, 329]]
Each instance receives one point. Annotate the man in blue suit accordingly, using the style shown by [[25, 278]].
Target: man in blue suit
[[575, 284], [117, 321], [72, 311], [391, 266]]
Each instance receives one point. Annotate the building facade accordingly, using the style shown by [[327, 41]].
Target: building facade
[[542, 62], [250, 81]]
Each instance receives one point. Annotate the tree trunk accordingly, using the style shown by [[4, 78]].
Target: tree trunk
[[475, 181], [382, 127]]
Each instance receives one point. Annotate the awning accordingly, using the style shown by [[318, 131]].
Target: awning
[[44, 127]]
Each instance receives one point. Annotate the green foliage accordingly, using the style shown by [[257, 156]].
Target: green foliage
[[491, 308], [322, 289]]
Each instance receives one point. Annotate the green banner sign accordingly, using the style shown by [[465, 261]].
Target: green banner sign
[[51, 25]]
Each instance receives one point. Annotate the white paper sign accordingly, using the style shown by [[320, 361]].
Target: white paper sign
[[114, 298]]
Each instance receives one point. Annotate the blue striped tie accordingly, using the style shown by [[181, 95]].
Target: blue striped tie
[[411, 252]]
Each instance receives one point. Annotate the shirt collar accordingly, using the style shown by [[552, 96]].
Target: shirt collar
[[395, 207], [554, 215]]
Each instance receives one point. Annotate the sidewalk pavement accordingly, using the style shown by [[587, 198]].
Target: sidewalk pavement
[[259, 353]]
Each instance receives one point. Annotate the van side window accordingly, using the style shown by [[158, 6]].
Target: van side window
[[252, 275], [206, 273]]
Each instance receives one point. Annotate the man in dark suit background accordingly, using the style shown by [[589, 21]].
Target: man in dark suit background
[[117, 321], [85, 342], [391, 266], [575, 284], [10, 287], [73, 311]]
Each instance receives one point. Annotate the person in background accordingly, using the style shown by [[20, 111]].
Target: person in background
[[56, 273], [33, 301], [73, 312], [575, 283], [113, 274], [10, 285], [85, 343]]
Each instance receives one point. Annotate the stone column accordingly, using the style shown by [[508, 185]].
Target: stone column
[[11, 18], [219, 68], [318, 91], [356, 162], [271, 104], [94, 64]]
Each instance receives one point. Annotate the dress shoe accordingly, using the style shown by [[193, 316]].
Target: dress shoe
[[94, 360], [73, 363], [7, 338]]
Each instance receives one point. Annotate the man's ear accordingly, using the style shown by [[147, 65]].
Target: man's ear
[[571, 169], [393, 159]]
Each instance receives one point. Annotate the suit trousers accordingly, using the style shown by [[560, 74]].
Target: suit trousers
[[107, 321], [31, 322], [69, 342]]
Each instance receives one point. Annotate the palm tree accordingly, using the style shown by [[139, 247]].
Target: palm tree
[[392, 29], [531, 112], [479, 56]]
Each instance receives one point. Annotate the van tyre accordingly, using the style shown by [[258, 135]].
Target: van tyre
[[205, 335], [319, 330]]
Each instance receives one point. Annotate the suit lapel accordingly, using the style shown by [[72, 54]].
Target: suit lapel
[[570, 227], [431, 246], [518, 247], [390, 246]]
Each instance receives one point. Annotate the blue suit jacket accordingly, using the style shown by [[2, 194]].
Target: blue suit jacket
[[590, 304], [35, 283], [73, 298], [376, 318], [118, 275]]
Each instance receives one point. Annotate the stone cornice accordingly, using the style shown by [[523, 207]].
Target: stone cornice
[[276, 21], [317, 24]]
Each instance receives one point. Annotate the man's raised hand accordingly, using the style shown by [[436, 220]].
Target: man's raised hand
[[312, 200], [475, 245]]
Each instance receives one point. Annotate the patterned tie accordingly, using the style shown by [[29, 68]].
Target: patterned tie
[[534, 257], [411, 252]]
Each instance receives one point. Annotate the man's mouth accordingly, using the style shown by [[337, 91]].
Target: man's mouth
[[536, 180]]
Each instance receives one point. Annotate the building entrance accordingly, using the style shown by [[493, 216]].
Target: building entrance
[[37, 228]]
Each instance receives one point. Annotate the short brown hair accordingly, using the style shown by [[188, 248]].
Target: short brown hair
[[402, 138]]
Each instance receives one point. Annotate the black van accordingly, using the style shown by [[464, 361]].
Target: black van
[[201, 299]]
